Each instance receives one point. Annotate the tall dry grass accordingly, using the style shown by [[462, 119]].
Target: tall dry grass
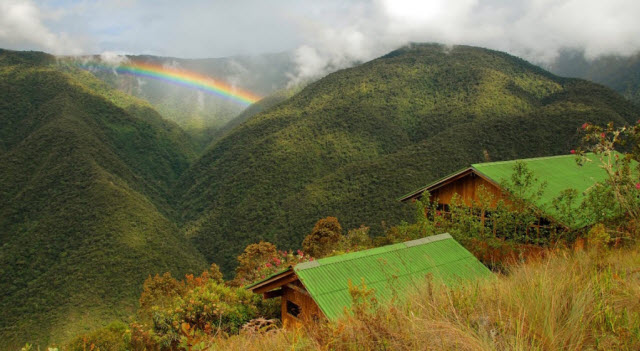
[[568, 301]]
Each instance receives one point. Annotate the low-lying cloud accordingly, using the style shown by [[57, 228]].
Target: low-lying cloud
[[323, 36], [537, 30]]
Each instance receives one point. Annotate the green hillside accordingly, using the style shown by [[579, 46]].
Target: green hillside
[[213, 134], [85, 207], [349, 144]]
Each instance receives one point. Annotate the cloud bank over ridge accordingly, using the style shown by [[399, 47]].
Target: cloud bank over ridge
[[324, 36]]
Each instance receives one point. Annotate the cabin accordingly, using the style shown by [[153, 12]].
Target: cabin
[[319, 290], [559, 172]]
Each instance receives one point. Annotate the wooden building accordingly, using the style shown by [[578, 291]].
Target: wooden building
[[560, 173], [297, 304], [319, 289], [464, 183]]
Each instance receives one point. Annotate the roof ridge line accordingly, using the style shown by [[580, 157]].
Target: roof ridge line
[[520, 159], [412, 243], [404, 275], [427, 239], [423, 188]]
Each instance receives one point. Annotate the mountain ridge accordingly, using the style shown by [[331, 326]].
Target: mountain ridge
[[267, 170]]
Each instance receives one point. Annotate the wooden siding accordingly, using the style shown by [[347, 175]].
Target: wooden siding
[[466, 187], [297, 294]]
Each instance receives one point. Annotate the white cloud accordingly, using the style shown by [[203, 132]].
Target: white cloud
[[325, 35], [22, 26], [534, 29], [113, 58]]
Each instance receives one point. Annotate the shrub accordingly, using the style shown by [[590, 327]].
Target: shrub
[[114, 337], [209, 309]]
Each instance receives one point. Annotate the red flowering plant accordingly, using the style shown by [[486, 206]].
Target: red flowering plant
[[616, 150], [281, 261], [260, 260]]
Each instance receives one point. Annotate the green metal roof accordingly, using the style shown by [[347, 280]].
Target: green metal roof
[[559, 172], [392, 270]]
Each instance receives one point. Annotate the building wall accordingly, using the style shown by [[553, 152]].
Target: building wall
[[309, 310], [467, 188]]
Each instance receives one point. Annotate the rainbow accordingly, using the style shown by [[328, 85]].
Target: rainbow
[[187, 79]]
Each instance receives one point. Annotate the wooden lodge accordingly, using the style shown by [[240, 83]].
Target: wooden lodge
[[464, 183], [558, 172], [318, 290]]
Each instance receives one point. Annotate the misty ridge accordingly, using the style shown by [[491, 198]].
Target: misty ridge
[[286, 45], [321, 38]]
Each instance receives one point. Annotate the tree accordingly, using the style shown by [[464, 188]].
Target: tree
[[158, 291], [324, 238], [617, 150], [357, 239], [251, 261], [523, 192]]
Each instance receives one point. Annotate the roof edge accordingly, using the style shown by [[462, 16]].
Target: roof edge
[[525, 159], [271, 277], [409, 195]]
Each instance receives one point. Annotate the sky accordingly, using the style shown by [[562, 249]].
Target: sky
[[320, 33]]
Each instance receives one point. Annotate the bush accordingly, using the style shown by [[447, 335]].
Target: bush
[[209, 309], [114, 337], [324, 238]]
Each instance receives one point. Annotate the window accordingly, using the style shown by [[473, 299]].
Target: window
[[293, 309]]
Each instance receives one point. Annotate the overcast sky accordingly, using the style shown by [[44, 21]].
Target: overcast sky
[[320, 32]]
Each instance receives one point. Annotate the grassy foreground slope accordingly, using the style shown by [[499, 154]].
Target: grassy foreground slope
[[349, 144], [581, 301], [85, 210]]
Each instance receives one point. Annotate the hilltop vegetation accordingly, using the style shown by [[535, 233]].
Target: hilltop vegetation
[[85, 206], [349, 144]]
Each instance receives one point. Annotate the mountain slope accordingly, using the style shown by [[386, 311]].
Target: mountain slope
[[200, 114], [253, 109], [350, 143], [85, 207], [619, 73]]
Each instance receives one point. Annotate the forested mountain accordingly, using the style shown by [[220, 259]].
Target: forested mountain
[[264, 104], [198, 113], [85, 207], [620, 73], [97, 190], [349, 144]]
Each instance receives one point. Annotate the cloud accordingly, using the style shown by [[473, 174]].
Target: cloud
[[323, 35], [22, 26], [113, 58], [537, 30]]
